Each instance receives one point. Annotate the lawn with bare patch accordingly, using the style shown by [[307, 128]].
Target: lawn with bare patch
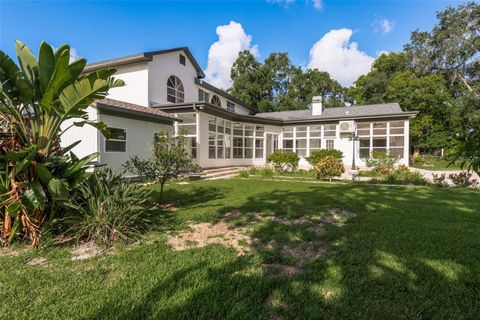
[[255, 249]]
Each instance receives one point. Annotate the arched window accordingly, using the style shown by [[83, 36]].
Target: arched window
[[175, 91], [216, 101]]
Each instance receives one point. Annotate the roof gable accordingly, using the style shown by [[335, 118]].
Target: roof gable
[[143, 57]]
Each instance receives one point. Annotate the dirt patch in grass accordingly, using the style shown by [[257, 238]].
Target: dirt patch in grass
[[86, 251], [36, 261], [276, 268], [9, 252], [203, 234], [170, 206]]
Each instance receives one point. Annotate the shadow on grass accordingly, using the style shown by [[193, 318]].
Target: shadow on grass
[[409, 254]]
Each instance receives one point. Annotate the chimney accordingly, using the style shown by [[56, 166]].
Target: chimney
[[317, 106]]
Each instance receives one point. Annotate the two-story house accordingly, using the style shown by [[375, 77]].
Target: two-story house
[[165, 90]]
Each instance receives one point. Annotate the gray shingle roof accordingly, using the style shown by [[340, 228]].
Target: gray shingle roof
[[130, 108], [342, 112]]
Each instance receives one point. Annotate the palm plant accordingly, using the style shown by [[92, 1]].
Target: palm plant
[[36, 98]]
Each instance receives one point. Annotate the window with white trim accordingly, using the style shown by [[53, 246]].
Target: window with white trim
[[216, 101], [117, 142], [381, 136], [301, 141], [230, 106], [330, 144], [287, 141], [175, 90], [315, 138], [203, 95]]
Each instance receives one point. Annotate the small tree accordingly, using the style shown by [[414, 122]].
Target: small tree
[[170, 160], [329, 167]]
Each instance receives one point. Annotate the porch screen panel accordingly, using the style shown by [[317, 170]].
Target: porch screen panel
[[315, 138], [287, 142], [238, 140], [259, 141], [301, 141]]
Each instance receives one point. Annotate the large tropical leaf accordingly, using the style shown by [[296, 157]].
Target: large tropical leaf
[[34, 197], [58, 190], [28, 63], [46, 65], [13, 86], [59, 78]]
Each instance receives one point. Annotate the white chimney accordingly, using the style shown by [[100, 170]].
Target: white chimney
[[317, 106]]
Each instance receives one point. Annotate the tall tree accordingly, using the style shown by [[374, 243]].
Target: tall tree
[[452, 48]]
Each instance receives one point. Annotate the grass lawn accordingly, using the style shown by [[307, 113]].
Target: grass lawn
[[408, 253]]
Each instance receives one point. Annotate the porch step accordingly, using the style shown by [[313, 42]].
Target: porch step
[[221, 173]]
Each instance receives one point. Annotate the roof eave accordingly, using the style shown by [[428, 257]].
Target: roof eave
[[105, 108]]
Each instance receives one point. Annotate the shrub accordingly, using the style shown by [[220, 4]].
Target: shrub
[[316, 156], [382, 162], [170, 160], [439, 180], [462, 179], [107, 209], [244, 173], [284, 160], [329, 167], [403, 175], [264, 172]]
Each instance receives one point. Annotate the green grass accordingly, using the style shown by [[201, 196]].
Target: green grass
[[410, 253]]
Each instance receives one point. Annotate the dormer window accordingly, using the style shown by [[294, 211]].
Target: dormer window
[[216, 101], [175, 91], [203, 95], [230, 106], [182, 59]]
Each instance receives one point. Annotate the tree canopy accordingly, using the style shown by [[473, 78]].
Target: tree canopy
[[276, 84]]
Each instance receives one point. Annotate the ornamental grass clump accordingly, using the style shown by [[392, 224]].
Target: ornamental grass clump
[[329, 167], [108, 210]]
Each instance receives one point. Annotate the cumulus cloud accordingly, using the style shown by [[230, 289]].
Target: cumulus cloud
[[317, 4], [383, 26], [73, 53], [222, 54], [340, 57]]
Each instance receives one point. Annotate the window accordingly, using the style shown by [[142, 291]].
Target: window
[[181, 59], [117, 141], [301, 141], [287, 142], [330, 144], [315, 138], [230, 106], [175, 91], [330, 130], [203, 95], [216, 101], [188, 127], [381, 136]]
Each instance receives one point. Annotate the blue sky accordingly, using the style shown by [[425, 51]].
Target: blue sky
[[105, 29]]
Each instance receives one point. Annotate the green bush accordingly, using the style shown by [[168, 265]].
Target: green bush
[[284, 160], [264, 172], [382, 162], [403, 175], [107, 209], [244, 173], [316, 156], [329, 167]]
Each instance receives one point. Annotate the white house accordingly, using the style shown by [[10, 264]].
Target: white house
[[164, 90]]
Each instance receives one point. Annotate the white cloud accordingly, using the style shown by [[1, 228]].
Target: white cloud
[[223, 53], [317, 4], [338, 56], [384, 26], [73, 53]]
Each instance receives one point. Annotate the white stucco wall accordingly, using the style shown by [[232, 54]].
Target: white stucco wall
[[165, 65], [139, 140], [87, 134], [136, 84]]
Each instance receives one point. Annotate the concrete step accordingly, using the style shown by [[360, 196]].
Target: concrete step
[[221, 173]]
